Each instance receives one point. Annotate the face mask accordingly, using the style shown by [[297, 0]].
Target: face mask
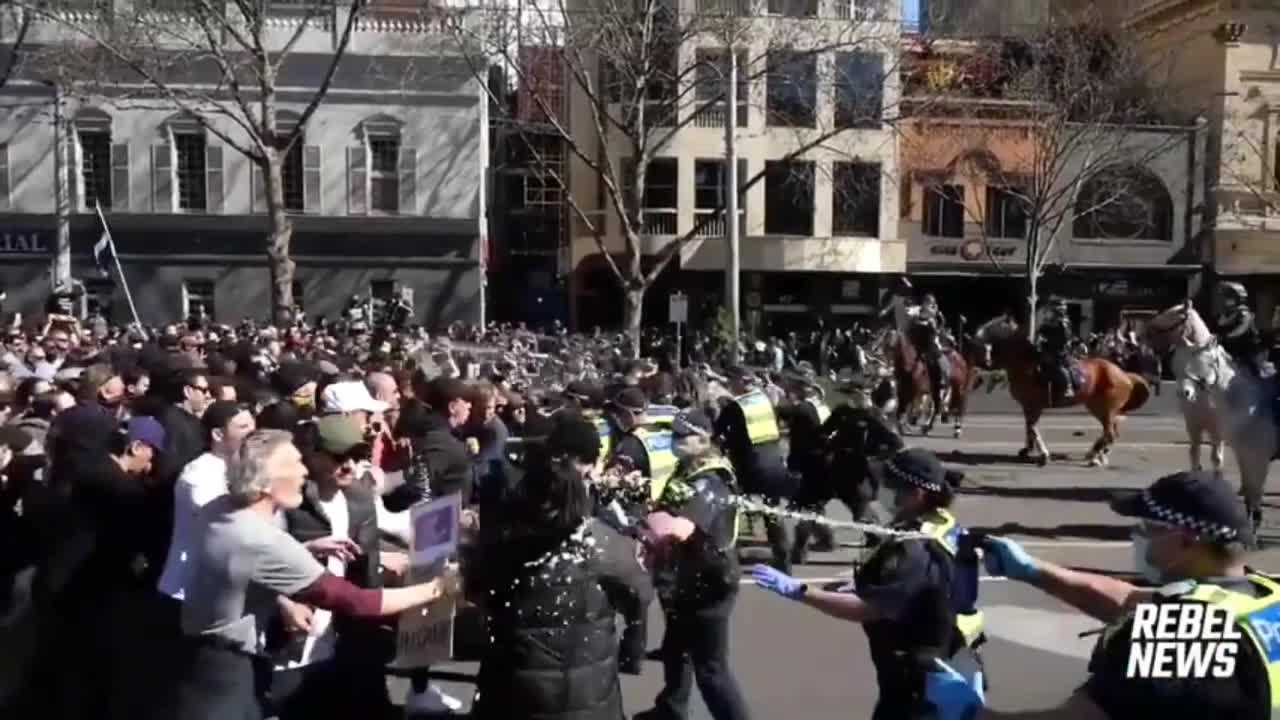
[[683, 449], [1141, 559]]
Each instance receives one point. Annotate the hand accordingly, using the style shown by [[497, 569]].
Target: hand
[[343, 549], [450, 580], [470, 520], [296, 616], [395, 563], [1003, 556], [953, 695], [473, 446], [776, 581], [665, 526]]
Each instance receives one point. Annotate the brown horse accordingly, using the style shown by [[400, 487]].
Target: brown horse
[[911, 375], [1107, 391]]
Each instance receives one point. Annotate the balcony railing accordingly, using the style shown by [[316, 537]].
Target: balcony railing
[[742, 8], [712, 115], [659, 221], [715, 227]]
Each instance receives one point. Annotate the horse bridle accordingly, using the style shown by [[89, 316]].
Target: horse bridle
[[1215, 349]]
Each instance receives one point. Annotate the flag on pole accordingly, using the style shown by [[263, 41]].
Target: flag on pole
[[104, 250]]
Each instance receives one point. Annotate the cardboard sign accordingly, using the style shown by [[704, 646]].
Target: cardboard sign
[[435, 530], [424, 635]]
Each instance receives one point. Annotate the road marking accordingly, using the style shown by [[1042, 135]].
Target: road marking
[[1074, 543], [1073, 445], [1044, 630]]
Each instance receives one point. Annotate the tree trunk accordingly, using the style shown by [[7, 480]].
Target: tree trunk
[[632, 315], [1032, 300], [280, 264]]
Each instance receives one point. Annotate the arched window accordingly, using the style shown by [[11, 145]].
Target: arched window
[[1124, 203], [103, 176], [381, 171], [186, 169]]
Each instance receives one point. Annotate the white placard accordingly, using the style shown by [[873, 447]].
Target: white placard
[[424, 635], [678, 310]]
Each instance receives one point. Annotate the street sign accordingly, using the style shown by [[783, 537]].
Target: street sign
[[678, 309]]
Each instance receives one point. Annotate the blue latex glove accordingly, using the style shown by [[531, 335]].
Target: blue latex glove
[[1002, 556], [954, 696], [771, 579]]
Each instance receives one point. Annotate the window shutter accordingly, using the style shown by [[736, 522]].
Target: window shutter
[[213, 175], [161, 178], [357, 181], [4, 177], [120, 176], [408, 181], [257, 189], [311, 200]]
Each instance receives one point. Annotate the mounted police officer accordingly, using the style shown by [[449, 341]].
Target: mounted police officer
[[1054, 336], [695, 527], [747, 430], [910, 596], [926, 335], [1192, 533], [1237, 329]]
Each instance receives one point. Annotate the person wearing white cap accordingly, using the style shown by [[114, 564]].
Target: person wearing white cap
[[352, 398]]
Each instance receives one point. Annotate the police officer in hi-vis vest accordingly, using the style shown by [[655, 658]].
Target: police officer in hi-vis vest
[[804, 414], [747, 430], [1191, 537], [910, 596], [695, 531], [636, 446]]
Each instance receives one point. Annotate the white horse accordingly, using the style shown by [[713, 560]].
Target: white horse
[[1220, 400]]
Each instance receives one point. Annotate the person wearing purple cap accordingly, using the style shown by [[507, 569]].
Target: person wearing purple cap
[[1191, 534]]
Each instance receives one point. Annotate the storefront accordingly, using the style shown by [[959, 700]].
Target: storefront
[[774, 303], [171, 262]]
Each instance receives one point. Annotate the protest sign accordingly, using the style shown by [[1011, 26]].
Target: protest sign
[[424, 634]]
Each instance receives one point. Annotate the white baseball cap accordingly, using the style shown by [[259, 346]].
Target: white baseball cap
[[350, 396]]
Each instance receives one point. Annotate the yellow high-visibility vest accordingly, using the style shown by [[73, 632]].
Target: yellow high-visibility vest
[[679, 487], [662, 461], [662, 416], [821, 408], [1257, 617], [762, 423]]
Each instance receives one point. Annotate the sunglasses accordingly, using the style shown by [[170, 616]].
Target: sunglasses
[[359, 453]]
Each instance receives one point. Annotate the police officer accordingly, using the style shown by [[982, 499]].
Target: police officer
[[1238, 329], [1055, 336], [747, 429], [1191, 535], [908, 596], [804, 413], [636, 447], [926, 330], [696, 527]]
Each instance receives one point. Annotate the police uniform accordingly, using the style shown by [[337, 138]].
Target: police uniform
[[1055, 335], [911, 583], [1203, 504], [748, 431], [1237, 328], [806, 458], [698, 585]]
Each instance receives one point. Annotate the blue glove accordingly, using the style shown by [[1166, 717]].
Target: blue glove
[[1002, 556], [954, 696], [771, 579]]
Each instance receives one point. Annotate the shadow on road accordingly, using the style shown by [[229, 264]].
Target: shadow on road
[[1073, 494], [977, 458], [1088, 531]]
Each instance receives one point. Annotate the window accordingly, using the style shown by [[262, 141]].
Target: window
[[291, 177], [382, 289], [944, 211], [708, 184], [93, 135], [792, 88], [794, 8], [788, 197], [384, 174], [198, 294], [1124, 203], [189, 148], [661, 184], [711, 76], [855, 199], [1006, 213], [859, 84]]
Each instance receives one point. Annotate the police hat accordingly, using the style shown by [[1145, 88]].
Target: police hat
[[1195, 501]]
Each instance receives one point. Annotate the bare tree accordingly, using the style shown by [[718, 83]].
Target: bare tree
[[221, 65], [632, 75], [1059, 125]]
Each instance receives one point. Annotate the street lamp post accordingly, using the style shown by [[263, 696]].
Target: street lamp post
[[61, 199]]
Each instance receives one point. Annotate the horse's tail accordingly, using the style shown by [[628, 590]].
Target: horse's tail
[[1139, 395]]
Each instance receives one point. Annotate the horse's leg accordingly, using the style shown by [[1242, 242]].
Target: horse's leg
[[1253, 477], [1035, 441], [1194, 431], [960, 402]]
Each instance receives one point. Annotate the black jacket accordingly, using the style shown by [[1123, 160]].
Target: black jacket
[[553, 648], [440, 466]]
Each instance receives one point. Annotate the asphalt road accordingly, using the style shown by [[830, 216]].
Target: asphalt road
[[792, 661]]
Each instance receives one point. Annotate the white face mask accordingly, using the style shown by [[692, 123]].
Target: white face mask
[[1141, 559], [684, 448], [888, 498]]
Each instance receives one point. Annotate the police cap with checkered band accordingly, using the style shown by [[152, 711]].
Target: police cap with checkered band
[[1195, 501]]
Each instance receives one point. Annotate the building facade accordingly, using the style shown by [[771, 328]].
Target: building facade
[[1123, 204], [816, 158], [1219, 58], [384, 189]]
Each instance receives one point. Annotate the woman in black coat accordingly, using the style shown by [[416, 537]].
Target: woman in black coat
[[542, 579]]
